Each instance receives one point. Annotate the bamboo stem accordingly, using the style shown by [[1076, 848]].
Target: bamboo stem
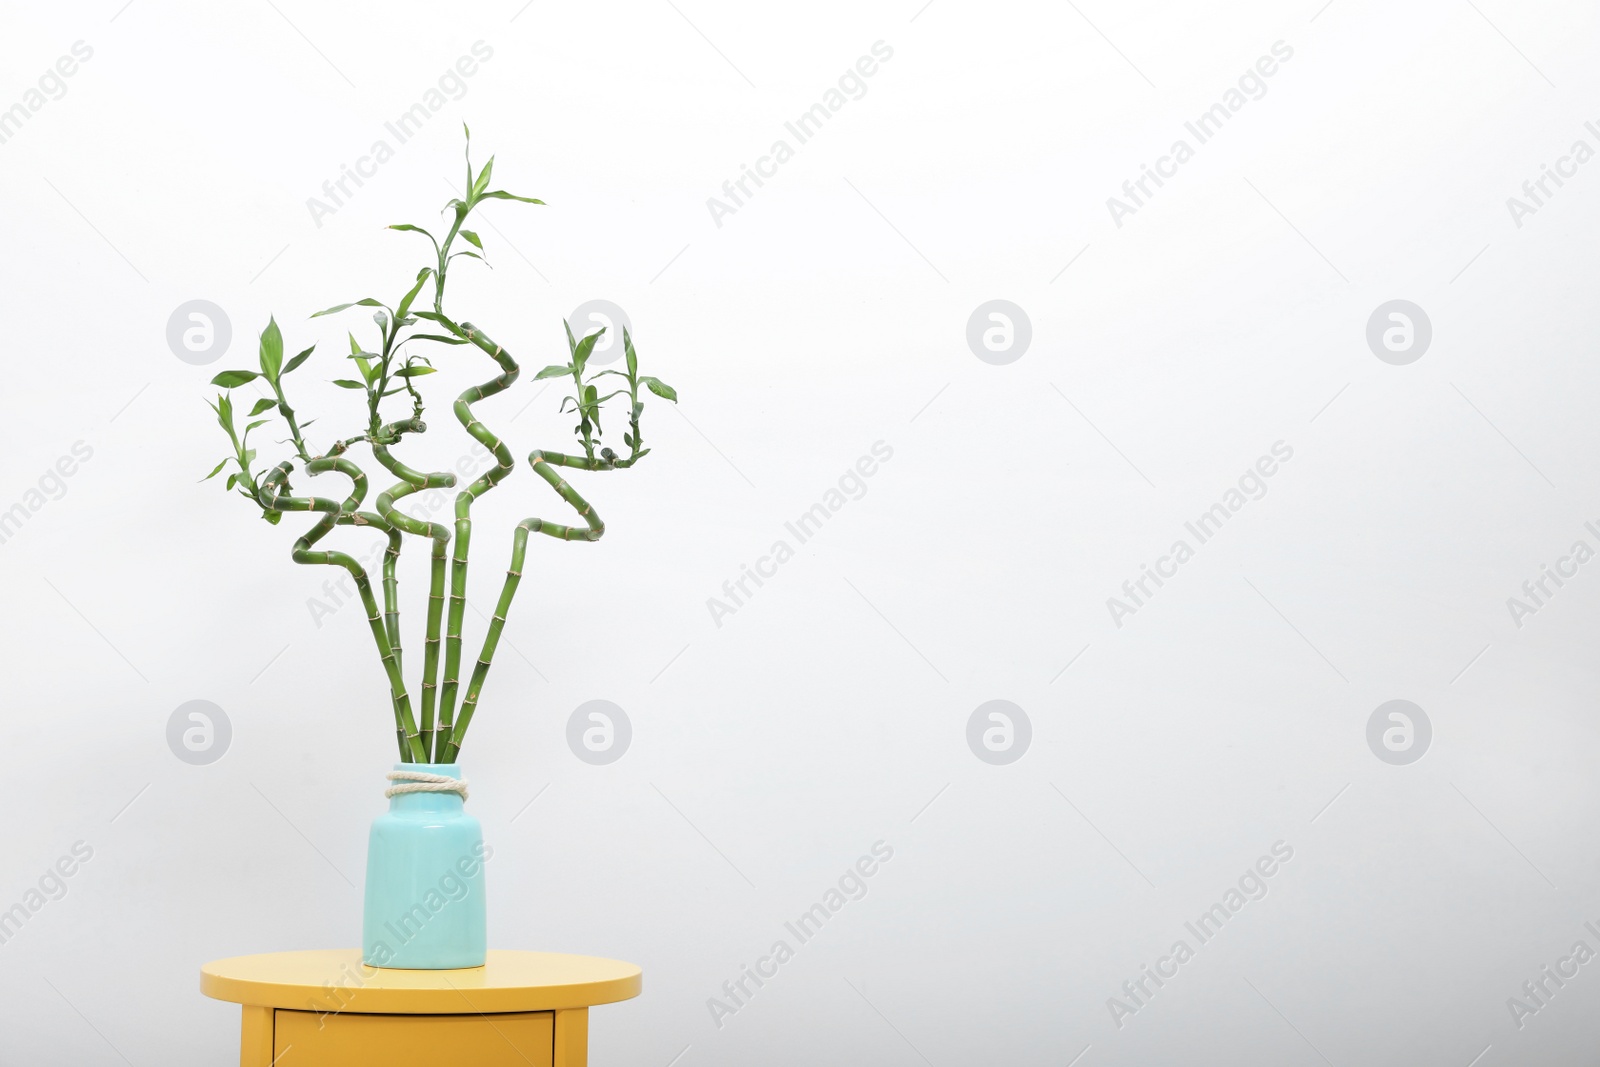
[[464, 500], [491, 641], [391, 596], [289, 417], [274, 490], [544, 463], [412, 481]]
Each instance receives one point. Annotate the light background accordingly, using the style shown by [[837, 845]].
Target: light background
[[830, 711]]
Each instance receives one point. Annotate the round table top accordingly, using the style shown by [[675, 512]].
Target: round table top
[[337, 980]]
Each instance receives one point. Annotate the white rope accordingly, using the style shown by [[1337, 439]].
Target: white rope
[[421, 782]]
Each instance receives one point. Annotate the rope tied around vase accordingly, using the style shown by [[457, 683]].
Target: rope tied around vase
[[422, 782]]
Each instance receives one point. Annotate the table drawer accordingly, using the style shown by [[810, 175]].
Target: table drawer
[[307, 1039]]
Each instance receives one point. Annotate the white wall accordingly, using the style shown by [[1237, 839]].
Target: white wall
[[830, 711]]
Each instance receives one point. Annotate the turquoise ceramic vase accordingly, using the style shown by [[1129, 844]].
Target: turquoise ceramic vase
[[425, 907]]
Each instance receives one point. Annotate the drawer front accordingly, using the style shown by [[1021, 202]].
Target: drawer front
[[306, 1039]]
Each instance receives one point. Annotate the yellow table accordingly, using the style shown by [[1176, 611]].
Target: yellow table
[[328, 1009]]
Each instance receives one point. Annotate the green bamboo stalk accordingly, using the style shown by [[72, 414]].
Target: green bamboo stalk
[[391, 596], [274, 497], [544, 463], [464, 500], [412, 481], [288, 414], [476, 191]]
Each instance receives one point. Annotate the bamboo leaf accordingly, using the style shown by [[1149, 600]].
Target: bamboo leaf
[[233, 480], [441, 338], [364, 302], [274, 517], [555, 370], [472, 238], [632, 356], [412, 229], [501, 194], [229, 379], [264, 404], [580, 354], [215, 470], [483, 178], [296, 361], [413, 371], [271, 350], [660, 388], [253, 425], [224, 409], [405, 304], [443, 320], [346, 383]]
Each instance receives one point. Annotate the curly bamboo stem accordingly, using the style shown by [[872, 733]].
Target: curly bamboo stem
[[544, 463], [464, 500], [332, 511], [412, 481]]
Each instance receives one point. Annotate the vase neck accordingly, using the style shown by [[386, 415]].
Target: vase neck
[[437, 803]]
